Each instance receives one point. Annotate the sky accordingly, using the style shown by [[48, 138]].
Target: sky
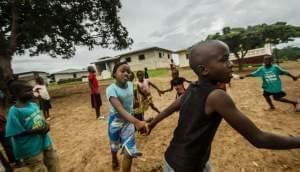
[[173, 24]]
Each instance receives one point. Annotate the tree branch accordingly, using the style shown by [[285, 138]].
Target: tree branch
[[13, 38]]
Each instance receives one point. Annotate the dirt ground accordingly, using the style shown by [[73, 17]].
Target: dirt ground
[[82, 143]]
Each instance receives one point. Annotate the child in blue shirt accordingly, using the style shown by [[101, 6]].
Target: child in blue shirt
[[28, 131], [271, 82], [122, 124]]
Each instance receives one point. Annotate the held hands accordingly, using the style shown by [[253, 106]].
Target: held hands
[[160, 92], [295, 78], [144, 127]]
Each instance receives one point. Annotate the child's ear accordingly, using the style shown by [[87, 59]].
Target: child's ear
[[202, 70]]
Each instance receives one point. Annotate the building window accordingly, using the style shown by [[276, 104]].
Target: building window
[[160, 55], [142, 57], [128, 59], [187, 56], [168, 56]]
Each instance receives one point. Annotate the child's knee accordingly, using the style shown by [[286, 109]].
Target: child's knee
[[51, 160]]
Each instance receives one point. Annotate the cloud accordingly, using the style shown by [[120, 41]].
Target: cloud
[[174, 24]]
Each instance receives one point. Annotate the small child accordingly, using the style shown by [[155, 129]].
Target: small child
[[172, 65], [178, 83], [121, 123], [143, 86], [146, 73], [270, 73], [202, 108], [138, 111], [95, 95], [28, 131], [40, 91]]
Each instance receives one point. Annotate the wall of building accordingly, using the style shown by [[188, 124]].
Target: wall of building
[[82, 74], [30, 77], [105, 72], [58, 77], [152, 60], [183, 60]]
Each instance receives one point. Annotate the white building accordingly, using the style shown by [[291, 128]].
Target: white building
[[32, 75], [253, 56], [69, 74], [151, 58]]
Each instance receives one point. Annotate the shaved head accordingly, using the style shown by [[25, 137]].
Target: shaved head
[[203, 52]]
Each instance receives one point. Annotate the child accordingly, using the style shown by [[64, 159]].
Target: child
[[178, 83], [146, 73], [121, 123], [272, 84], [138, 111], [28, 131], [143, 86], [172, 65], [40, 91], [202, 108], [95, 95]]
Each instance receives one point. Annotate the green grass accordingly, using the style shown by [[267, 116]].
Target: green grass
[[158, 72]]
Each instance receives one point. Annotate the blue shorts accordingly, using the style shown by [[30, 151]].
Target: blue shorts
[[121, 135]]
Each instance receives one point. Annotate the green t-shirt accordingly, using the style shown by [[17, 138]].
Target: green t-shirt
[[270, 77], [23, 119]]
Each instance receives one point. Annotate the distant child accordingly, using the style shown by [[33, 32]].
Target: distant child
[[270, 73], [202, 108], [121, 123], [146, 73], [177, 82], [143, 86], [40, 91], [138, 110], [172, 65], [28, 131], [94, 91]]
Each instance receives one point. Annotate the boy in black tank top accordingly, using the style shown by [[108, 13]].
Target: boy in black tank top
[[203, 106]]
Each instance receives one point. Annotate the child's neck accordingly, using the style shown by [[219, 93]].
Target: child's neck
[[202, 79], [122, 85], [21, 104]]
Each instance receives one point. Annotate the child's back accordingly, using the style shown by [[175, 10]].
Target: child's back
[[193, 136], [21, 120]]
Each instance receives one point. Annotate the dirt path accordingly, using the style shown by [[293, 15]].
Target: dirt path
[[82, 143]]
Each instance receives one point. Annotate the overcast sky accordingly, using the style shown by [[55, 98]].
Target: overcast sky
[[173, 24]]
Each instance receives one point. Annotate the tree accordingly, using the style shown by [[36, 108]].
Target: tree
[[241, 40], [56, 27], [290, 53]]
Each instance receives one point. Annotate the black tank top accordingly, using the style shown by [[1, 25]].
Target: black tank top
[[190, 147]]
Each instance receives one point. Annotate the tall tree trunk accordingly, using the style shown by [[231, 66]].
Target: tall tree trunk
[[239, 61], [240, 64], [6, 74]]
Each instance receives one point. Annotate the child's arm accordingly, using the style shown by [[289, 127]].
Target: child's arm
[[154, 86], [292, 76], [219, 101], [282, 71], [187, 81], [167, 90], [140, 125], [164, 114], [43, 130]]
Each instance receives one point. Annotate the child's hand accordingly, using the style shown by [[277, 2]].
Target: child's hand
[[295, 78], [141, 126]]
